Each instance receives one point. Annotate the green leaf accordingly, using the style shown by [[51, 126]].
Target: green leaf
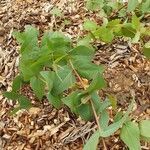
[[85, 111], [14, 111], [11, 95], [111, 129], [38, 86], [57, 43], [32, 57], [94, 4], [27, 72], [82, 52], [116, 125], [48, 77], [108, 9], [97, 102], [54, 100], [73, 100], [104, 34], [136, 37], [64, 79], [113, 101], [135, 22], [103, 106], [118, 116], [145, 6], [87, 69], [128, 30], [56, 12], [28, 38], [104, 119], [17, 83], [122, 13], [146, 51], [24, 102], [97, 83], [114, 25], [132, 5], [90, 25], [85, 41], [144, 126], [130, 134], [92, 143], [147, 45]]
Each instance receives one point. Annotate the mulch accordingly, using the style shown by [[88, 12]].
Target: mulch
[[44, 127]]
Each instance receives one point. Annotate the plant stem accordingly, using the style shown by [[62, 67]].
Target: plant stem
[[76, 73], [93, 108], [99, 127], [114, 13]]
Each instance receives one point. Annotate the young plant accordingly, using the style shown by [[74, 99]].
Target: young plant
[[53, 68], [133, 30], [66, 76], [118, 9]]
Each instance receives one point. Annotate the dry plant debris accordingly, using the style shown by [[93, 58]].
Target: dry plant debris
[[43, 127]]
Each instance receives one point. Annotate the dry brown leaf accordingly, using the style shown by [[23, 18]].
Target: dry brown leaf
[[34, 110]]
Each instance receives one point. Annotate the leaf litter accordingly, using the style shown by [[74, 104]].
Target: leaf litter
[[43, 127]]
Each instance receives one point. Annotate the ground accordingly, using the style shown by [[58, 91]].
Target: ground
[[44, 127]]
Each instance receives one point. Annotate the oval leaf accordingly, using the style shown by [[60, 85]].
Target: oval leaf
[[130, 134], [92, 142], [144, 126], [38, 86]]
